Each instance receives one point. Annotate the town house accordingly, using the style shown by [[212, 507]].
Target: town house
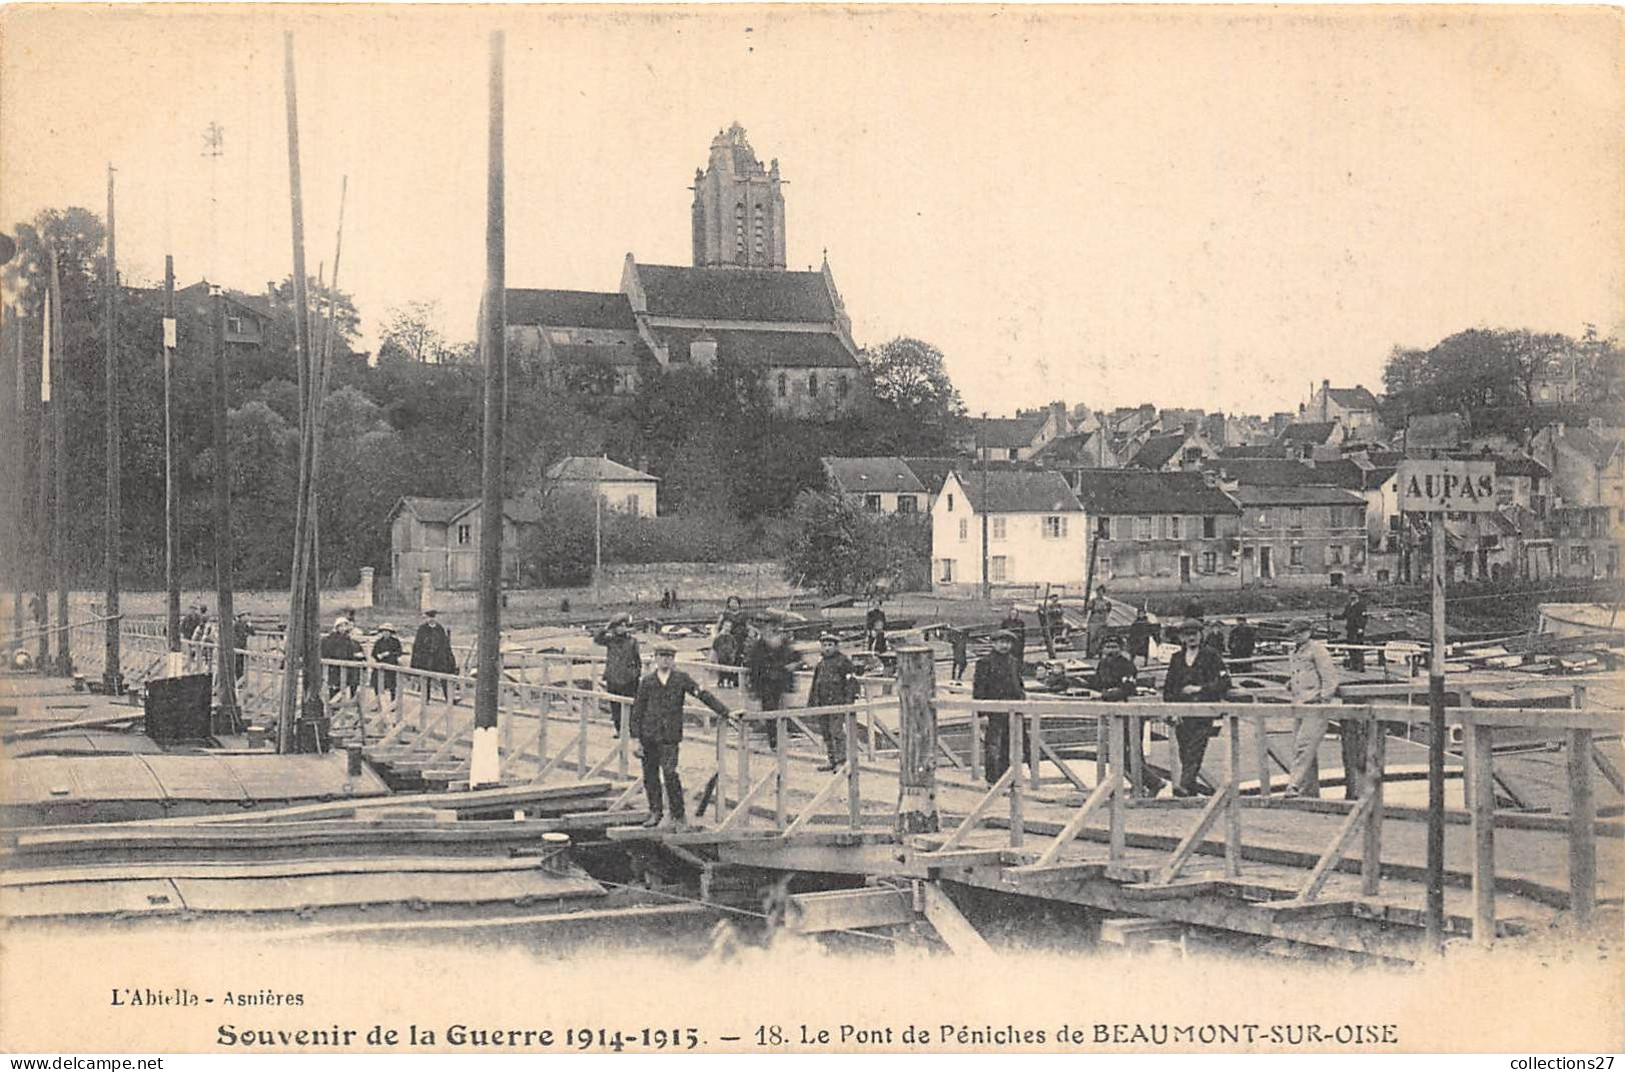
[[1301, 536], [1160, 530], [1035, 533]]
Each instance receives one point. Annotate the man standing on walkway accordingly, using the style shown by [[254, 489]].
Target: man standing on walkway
[[623, 661], [1354, 618], [998, 677], [431, 650], [241, 629], [1139, 638], [1100, 614], [657, 723], [386, 651], [1016, 626], [1195, 675], [770, 674], [1313, 679], [1116, 679], [1243, 641], [834, 681]]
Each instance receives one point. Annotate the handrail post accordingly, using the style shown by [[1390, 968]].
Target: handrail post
[[1262, 747], [978, 766], [581, 742], [1176, 769], [1136, 755], [917, 742], [720, 726], [782, 795], [1018, 752], [1376, 749], [1232, 804], [854, 790], [744, 760], [1480, 743], [1103, 726], [1582, 830], [1114, 745]]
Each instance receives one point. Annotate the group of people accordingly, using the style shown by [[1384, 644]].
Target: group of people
[[769, 663]]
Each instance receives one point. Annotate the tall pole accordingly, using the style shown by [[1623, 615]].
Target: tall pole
[[485, 762], [598, 546], [59, 512], [172, 521], [1435, 853], [18, 444], [987, 582], [112, 674], [225, 645], [42, 504], [298, 647]]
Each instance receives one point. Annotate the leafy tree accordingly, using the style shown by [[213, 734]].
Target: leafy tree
[[558, 551], [835, 547], [410, 334], [914, 398]]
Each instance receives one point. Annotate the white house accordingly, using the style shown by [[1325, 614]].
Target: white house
[[621, 487], [1036, 533]]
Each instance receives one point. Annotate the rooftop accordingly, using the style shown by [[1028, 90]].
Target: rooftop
[[736, 293], [570, 308], [1011, 491], [855, 476], [1133, 491], [594, 469]]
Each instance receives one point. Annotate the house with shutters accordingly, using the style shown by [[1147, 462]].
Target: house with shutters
[[1588, 501], [442, 537], [620, 487], [1035, 534], [1302, 536], [1151, 531], [878, 485]]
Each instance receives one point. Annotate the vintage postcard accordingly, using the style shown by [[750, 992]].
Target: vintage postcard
[[810, 529]]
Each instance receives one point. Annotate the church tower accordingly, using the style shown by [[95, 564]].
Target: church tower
[[738, 207]]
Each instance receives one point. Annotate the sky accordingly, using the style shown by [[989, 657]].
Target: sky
[[1211, 208]]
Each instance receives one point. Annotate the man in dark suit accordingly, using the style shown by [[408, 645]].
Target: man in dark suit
[[657, 723], [1115, 678], [431, 650], [998, 677]]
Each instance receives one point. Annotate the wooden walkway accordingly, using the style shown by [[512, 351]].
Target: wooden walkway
[[1243, 860]]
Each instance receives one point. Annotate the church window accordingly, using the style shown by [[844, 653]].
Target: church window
[[842, 386], [812, 384], [739, 232], [784, 385], [761, 229]]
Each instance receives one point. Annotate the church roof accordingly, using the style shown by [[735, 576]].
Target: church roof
[[736, 293], [570, 308]]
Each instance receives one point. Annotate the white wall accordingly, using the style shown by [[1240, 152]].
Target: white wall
[[1030, 557]]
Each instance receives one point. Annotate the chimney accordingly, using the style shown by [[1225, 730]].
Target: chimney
[[1325, 400], [1210, 478]]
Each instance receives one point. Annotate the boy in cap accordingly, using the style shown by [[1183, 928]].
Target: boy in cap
[[1195, 675], [835, 681], [386, 651], [623, 661], [998, 677], [657, 723], [1116, 678]]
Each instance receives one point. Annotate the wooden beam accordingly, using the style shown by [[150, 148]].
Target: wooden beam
[[1103, 792], [1482, 796], [845, 910], [741, 813], [970, 822], [1187, 845], [1334, 852], [951, 925], [819, 799], [1582, 830], [1376, 750]]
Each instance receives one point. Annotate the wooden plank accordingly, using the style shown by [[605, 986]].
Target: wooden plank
[[1480, 743], [1018, 753], [76, 725], [845, 910], [1103, 792], [1582, 831], [951, 925], [820, 798], [1334, 852], [1187, 845], [1232, 808], [737, 819], [1376, 749], [981, 808]]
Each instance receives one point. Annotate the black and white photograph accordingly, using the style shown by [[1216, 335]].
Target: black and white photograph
[[793, 529]]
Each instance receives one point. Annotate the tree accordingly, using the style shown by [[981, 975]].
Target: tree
[[916, 400], [410, 333], [835, 547]]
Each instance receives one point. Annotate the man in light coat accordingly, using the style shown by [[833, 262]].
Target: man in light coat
[[1313, 679]]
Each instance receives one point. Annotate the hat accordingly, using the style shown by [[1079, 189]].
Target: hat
[[387, 627], [1189, 625], [665, 649], [1004, 634], [828, 638], [1112, 638], [1301, 625], [430, 613], [622, 618], [341, 622]]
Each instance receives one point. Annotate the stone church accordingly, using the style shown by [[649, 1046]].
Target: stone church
[[737, 302]]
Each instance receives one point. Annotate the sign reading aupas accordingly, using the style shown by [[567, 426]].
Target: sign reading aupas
[[1437, 486]]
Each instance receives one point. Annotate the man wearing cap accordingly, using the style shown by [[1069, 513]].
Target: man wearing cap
[[1195, 675], [1016, 626], [657, 723], [1100, 616], [1243, 641], [998, 677], [1313, 679], [241, 629], [1115, 678], [1139, 637], [834, 681], [386, 651], [431, 650], [623, 662]]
